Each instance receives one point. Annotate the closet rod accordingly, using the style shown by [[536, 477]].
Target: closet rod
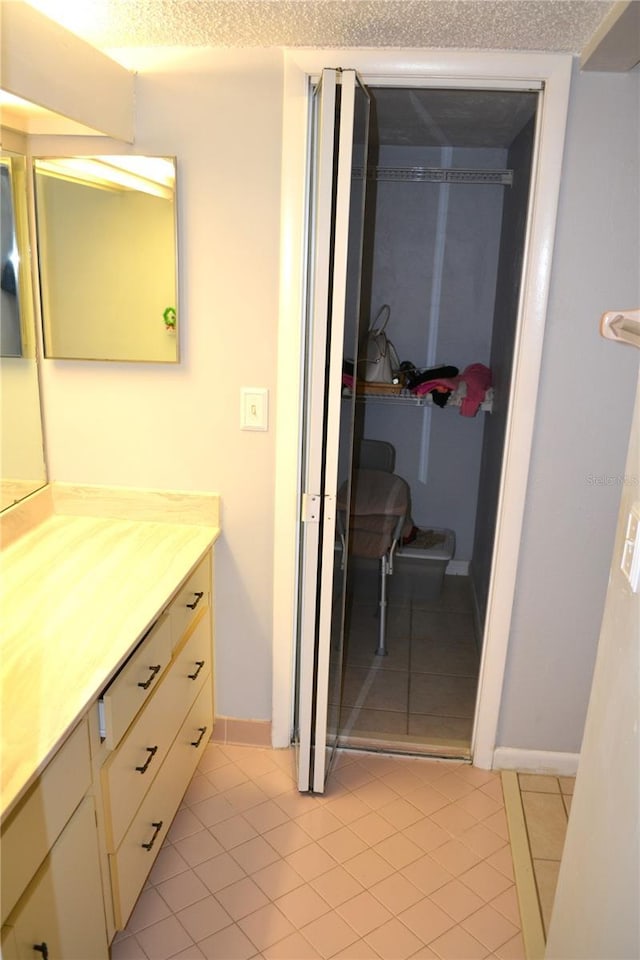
[[437, 175]]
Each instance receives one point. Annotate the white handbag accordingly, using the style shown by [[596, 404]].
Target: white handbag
[[380, 363]]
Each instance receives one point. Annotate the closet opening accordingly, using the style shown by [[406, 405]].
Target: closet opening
[[445, 222]]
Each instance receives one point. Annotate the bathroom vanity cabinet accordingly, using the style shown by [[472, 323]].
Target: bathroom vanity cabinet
[[162, 703], [51, 878], [86, 805]]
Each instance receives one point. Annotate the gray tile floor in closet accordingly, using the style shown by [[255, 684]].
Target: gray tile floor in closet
[[423, 692]]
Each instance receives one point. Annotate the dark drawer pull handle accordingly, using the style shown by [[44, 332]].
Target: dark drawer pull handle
[[202, 731], [43, 949], [157, 828], [198, 597], [154, 671], [200, 665], [152, 753]]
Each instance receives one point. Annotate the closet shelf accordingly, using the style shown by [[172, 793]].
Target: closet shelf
[[436, 175], [408, 399]]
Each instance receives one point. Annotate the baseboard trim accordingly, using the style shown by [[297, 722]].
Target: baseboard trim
[[251, 733], [536, 761]]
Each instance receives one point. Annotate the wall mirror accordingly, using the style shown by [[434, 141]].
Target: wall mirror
[[22, 464], [106, 230]]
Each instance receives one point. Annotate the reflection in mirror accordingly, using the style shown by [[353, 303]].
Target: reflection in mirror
[[21, 445], [10, 334], [106, 230]]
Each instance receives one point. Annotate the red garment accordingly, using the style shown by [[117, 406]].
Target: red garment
[[477, 378]]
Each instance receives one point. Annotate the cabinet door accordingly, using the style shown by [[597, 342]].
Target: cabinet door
[[63, 907], [35, 825]]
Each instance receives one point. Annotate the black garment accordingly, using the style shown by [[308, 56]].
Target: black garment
[[439, 398], [433, 373]]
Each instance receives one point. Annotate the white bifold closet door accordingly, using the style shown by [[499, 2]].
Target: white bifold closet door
[[340, 126]]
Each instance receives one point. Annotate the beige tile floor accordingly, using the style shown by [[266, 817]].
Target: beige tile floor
[[402, 857], [424, 690], [546, 802]]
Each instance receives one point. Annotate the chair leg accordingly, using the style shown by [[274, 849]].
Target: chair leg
[[382, 638]]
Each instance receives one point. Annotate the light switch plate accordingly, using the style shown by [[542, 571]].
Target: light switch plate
[[254, 408]]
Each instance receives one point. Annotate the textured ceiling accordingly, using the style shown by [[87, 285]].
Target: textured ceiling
[[549, 25]]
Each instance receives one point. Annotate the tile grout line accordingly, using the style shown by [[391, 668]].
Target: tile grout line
[[530, 916]]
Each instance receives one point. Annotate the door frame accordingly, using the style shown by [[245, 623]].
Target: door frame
[[466, 69]]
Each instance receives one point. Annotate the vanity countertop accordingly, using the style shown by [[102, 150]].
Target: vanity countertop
[[76, 595]]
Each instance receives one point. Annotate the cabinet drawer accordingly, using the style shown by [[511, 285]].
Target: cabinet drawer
[[190, 599], [192, 663], [131, 769], [33, 828], [134, 858], [63, 906], [137, 679]]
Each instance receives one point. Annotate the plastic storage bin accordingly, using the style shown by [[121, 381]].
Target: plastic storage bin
[[418, 572], [364, 577]]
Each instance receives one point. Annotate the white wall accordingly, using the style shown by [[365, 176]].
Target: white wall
[[583, 418], [219, 112], [595, 912]]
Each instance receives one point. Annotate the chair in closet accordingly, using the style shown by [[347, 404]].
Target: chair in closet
[[379, 516]]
